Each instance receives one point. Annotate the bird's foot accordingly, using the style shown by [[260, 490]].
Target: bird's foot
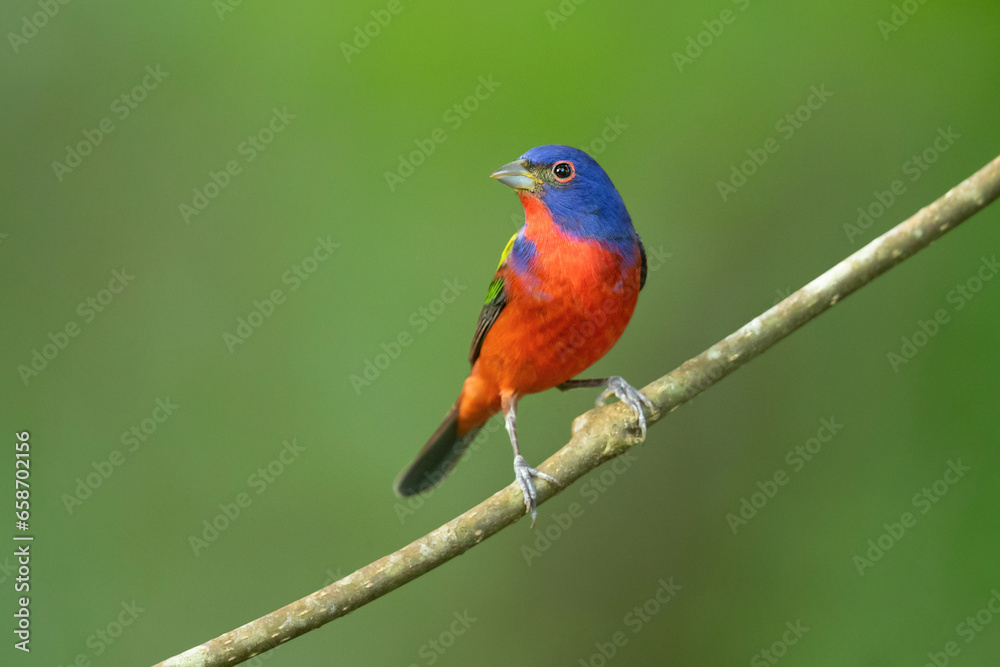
[[628, 395], [524, 474]]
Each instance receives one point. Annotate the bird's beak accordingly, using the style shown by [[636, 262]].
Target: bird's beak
[[515, 175]]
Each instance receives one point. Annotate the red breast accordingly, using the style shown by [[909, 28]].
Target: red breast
[[562, 314]]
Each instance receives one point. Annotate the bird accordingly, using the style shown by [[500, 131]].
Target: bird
[[564, 291]]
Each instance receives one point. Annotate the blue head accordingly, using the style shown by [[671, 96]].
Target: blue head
[[581, 198]]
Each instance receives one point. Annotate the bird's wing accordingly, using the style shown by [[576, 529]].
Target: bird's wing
[[496, 299], [642, 270]]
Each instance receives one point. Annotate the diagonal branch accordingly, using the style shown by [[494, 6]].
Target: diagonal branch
[[602, 434]]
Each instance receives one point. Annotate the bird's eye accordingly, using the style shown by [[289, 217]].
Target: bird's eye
[[563, 171]]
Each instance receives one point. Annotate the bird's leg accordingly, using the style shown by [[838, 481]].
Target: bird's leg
[[522, 471], [625, 392]]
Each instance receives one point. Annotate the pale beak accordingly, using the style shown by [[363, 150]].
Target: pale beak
[[515, 175]]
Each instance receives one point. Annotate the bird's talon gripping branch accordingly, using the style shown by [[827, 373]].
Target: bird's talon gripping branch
[[524, 473], [628, 395]]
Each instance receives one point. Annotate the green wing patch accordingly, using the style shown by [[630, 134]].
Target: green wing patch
[[496, 299], [488, 316], [495, 288]]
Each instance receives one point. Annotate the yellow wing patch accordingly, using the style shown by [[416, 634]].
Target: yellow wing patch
[[506, 250]]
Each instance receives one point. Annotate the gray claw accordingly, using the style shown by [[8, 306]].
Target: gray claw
[[628, 395], [523, 473]]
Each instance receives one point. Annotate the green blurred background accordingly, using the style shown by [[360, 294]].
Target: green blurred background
[[672, 129]]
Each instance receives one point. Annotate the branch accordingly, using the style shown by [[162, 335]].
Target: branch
[[602, 434]]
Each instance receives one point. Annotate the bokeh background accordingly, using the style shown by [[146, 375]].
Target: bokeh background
[[607, 77]]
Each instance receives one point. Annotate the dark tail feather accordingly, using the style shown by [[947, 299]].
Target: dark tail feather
[[436, 459]]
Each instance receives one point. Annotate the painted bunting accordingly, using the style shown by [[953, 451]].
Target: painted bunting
[[565, 289]]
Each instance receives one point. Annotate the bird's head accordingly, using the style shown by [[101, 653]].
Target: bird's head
[[575, 190]]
